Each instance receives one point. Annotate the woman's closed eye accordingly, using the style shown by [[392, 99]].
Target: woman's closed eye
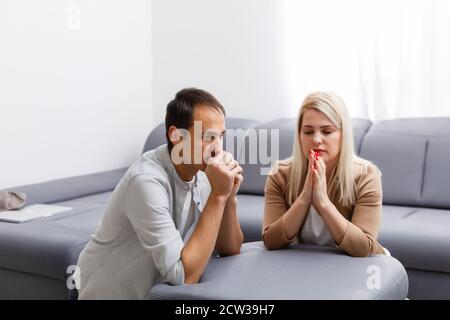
[[326, 132]]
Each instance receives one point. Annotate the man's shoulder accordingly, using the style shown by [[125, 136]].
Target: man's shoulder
[[149, 167]]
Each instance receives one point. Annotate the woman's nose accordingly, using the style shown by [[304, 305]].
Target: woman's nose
[[317, 139]]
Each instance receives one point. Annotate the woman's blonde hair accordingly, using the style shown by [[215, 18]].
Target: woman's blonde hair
[[334, 108]]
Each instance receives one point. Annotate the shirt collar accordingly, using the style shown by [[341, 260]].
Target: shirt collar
[[170, 168]]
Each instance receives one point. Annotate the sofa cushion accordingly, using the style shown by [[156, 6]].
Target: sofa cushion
[[417, 237], [413, 155], [251, 211], [257, 157], [360, 128], [300, 272]]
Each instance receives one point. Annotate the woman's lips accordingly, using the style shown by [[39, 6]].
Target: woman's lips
[[318, 151]]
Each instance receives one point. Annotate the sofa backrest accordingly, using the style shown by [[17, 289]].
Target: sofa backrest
[[70, 188], [413, 155], [255, 174]]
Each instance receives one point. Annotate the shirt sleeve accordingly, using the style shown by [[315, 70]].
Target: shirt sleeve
[[360, 237], [147, 208]]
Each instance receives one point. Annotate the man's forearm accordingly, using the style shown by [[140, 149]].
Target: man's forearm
[[197, 251], [230, 237]]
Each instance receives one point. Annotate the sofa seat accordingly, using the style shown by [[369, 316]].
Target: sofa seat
[[300, 272], [418, 237], [48, 246]]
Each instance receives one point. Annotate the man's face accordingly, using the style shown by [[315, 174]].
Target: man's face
[[210, 125]]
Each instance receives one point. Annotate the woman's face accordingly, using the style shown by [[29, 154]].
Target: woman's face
[[319, 134]]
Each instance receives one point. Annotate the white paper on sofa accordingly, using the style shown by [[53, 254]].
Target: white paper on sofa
[[31, 212]]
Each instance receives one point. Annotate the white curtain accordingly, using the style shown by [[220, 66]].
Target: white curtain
[[386, 58]]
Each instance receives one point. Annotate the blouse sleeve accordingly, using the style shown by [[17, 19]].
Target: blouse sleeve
[[274, 208], [360, 237]]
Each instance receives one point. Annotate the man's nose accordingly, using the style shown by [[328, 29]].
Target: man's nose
[[217, 145]]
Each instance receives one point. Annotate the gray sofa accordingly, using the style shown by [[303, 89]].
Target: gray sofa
[[35, 257]]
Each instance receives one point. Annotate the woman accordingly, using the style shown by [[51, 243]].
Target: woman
[[324, 194]]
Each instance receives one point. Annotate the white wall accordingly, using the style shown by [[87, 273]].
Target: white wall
[[81, 101], [231, 48], [72, 101]]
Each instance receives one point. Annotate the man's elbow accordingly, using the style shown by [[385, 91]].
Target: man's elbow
[[231, 249], [191, 274], [191, 279]]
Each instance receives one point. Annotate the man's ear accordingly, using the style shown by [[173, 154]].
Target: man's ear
[[174, 135]]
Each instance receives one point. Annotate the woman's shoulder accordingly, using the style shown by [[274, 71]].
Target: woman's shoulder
[[280, 172], [365, 170]]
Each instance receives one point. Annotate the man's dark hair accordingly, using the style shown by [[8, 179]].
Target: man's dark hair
[[180, 110]]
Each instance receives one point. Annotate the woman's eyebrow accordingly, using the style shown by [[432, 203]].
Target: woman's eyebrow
[[326, 126]]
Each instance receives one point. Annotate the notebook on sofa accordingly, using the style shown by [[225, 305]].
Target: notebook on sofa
[[31, 212]]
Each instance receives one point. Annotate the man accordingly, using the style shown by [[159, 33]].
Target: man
[[173, 207]]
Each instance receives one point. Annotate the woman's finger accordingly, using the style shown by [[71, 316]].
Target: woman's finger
[[323, 165], [318, 166], [310, 173], [311, 161], [316, 177]]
